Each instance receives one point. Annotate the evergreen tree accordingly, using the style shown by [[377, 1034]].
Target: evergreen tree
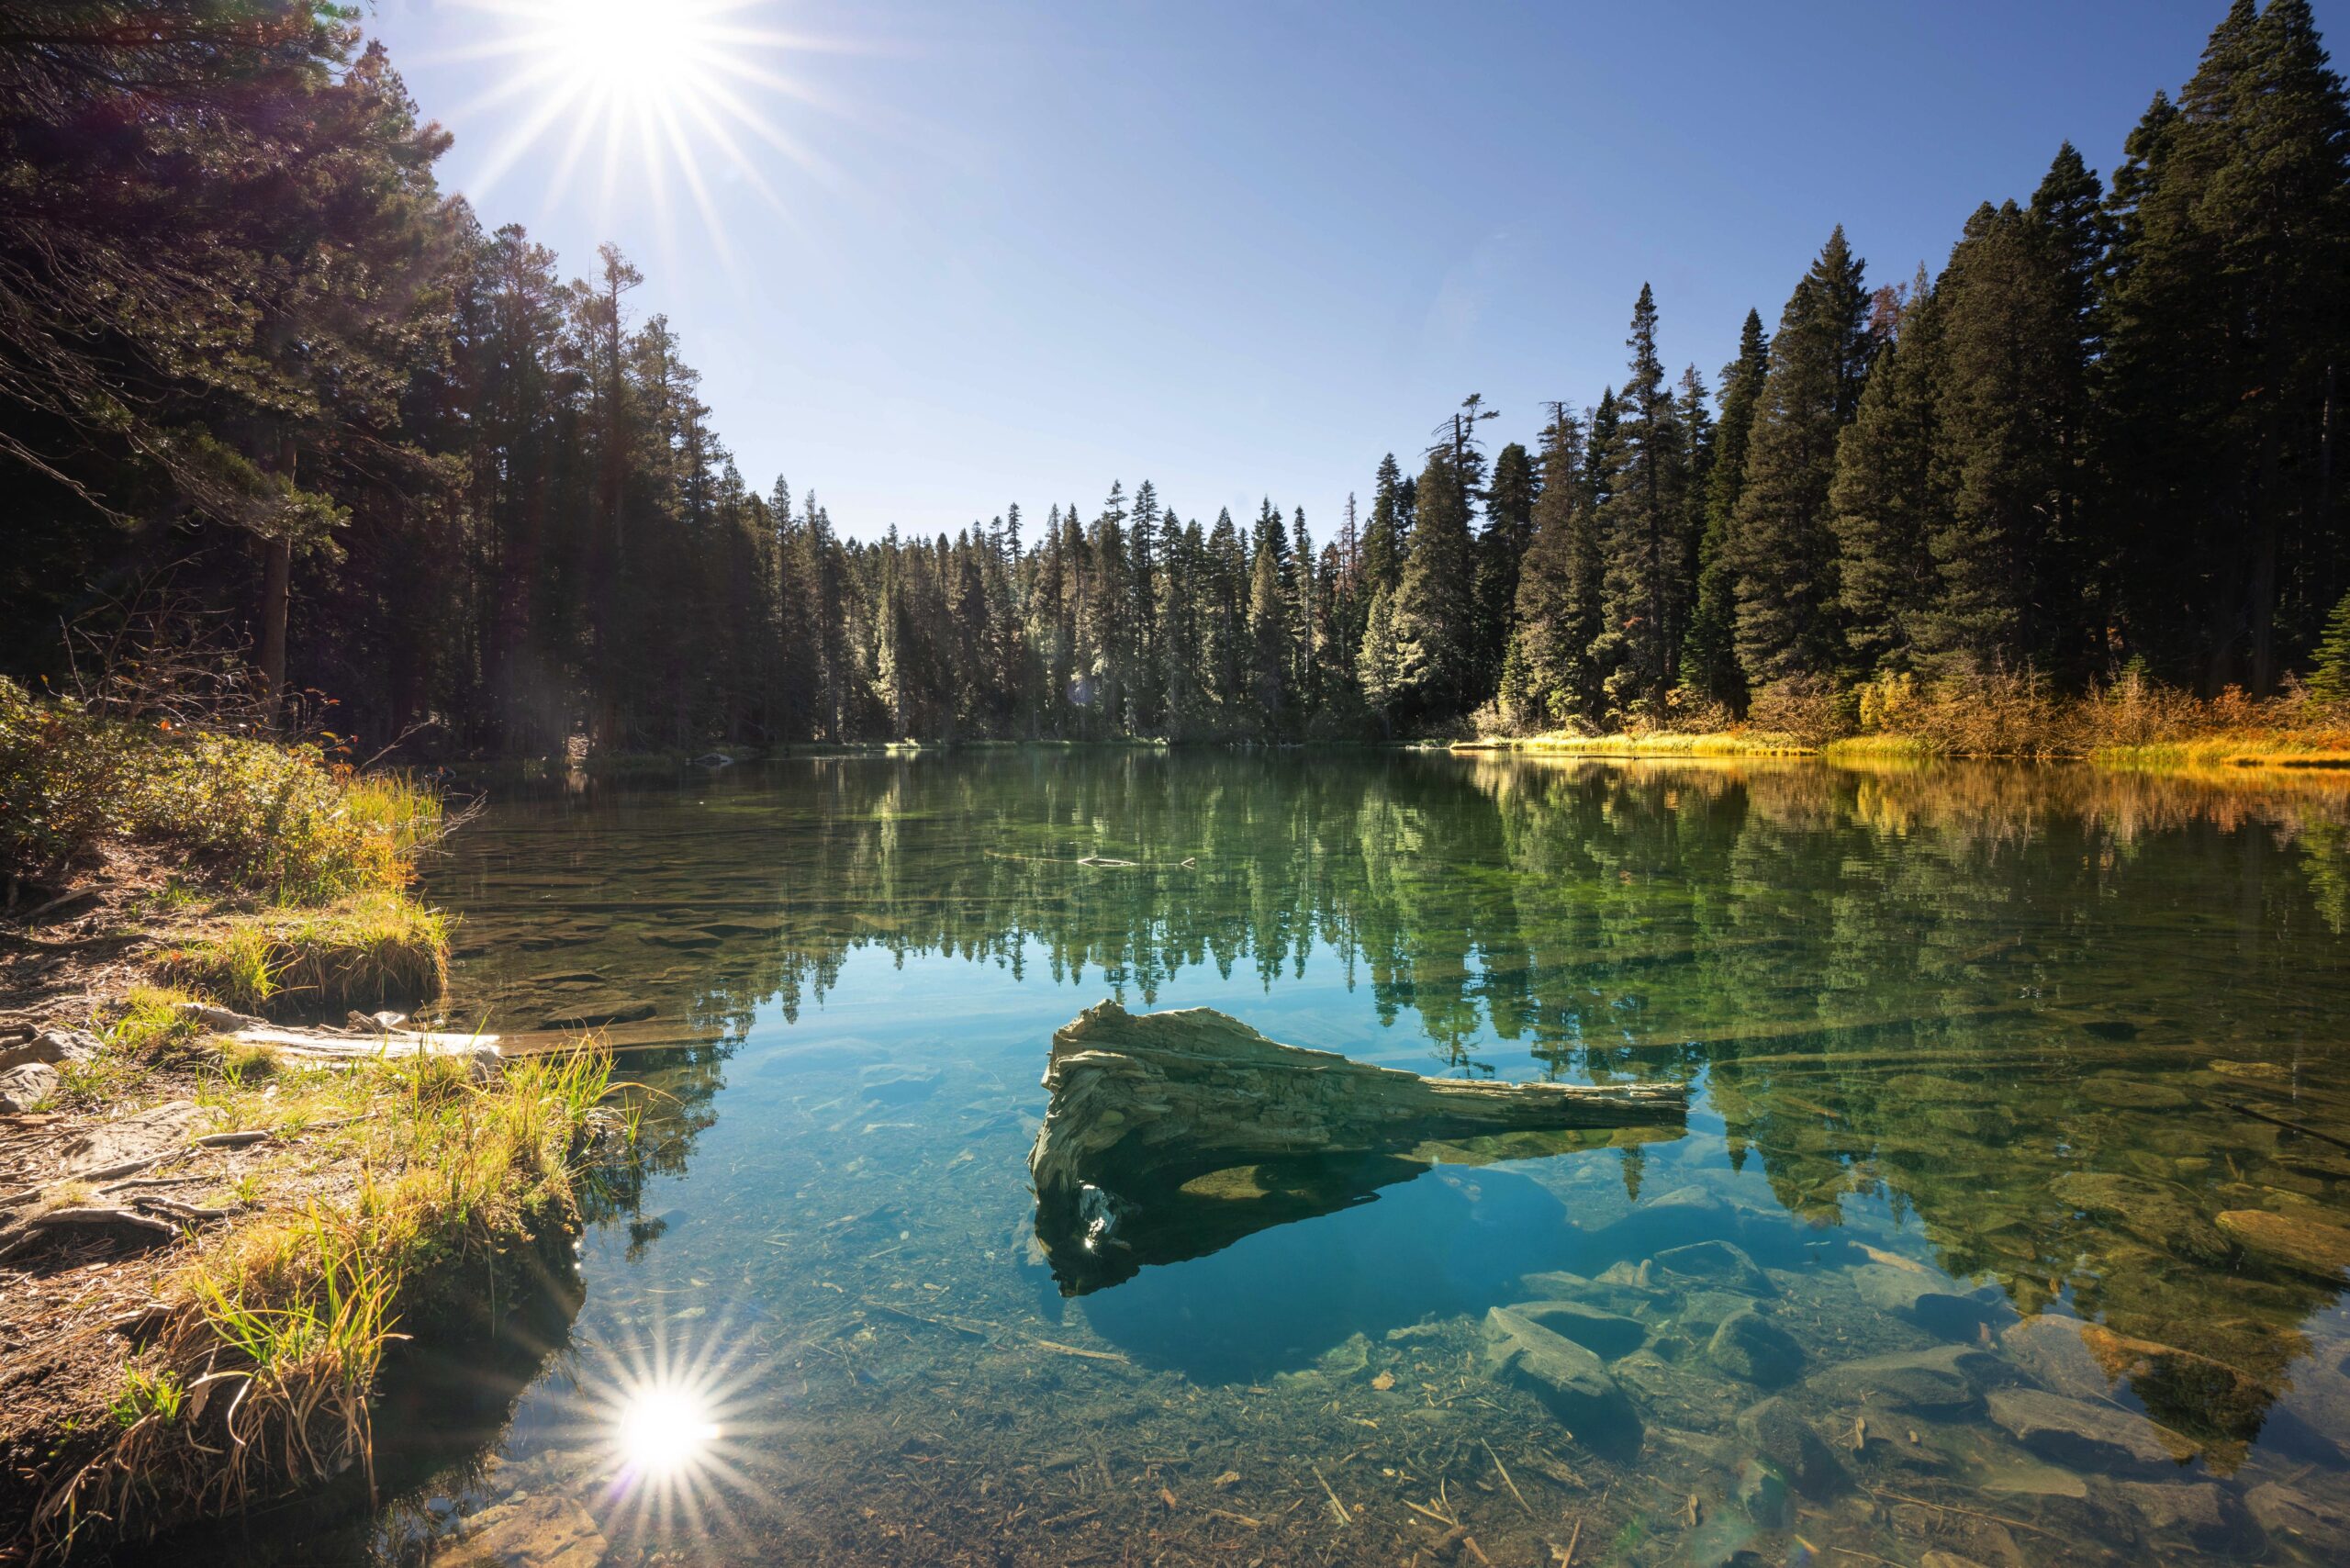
[[1268, 640], [1551, 678], [1510, 530], [1385, 542], [1709, 664], [2004, 337], [1647, 578], [1782, 547], [2223, 329], [1883, 504], [1436, 602], [2330, 669], [1378, 666]]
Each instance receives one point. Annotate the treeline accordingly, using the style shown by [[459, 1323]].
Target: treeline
[[253, 362]]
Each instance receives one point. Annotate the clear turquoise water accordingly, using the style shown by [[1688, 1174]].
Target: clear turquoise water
[[1981, 1058]]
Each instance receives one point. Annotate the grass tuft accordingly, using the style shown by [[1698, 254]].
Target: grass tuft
[[279, 1328], [368, 951]]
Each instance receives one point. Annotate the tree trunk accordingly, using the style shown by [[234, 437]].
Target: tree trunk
[[276, 588]]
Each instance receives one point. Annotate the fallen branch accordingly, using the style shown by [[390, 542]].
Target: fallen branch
[[101, 1219], [2242, 1109], [1337, 1507]]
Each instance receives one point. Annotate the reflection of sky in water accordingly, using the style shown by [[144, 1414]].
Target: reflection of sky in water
[[1969, 1051]]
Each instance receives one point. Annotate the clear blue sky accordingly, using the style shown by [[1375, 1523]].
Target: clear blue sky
[[1244, 248]]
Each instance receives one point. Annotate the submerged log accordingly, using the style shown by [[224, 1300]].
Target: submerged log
[[1142, 1105]]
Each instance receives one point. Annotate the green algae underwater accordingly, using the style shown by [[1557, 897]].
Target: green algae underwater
[[2006, 1226]]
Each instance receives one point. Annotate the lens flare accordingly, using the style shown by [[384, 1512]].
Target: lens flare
[[646, 89], [665, 1430]]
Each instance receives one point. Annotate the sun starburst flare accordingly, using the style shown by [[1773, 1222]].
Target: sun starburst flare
[[681, 1436], [635, 92]]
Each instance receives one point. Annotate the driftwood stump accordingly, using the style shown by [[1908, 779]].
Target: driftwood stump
[[1143, 1104]]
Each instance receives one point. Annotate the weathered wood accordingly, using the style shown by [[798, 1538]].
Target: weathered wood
[[1143, 1104], [372, 1039]]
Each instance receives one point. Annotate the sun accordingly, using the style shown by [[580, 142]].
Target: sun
[[634, 97], [632, 49]]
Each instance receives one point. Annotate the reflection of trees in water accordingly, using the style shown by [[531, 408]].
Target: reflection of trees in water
[[1990, 995]]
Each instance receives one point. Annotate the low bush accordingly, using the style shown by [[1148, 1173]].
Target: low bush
[[275, 818]]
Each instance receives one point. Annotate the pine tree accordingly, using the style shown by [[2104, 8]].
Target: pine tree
[[2223, 330], [1225, 650], [2067, 211], [1435, 601], [2004, 336], [1882, 504], [1551, 678], [1647, 574], [1709, 664], [1783, 549], [1384, 542], [1378, 666], [2330, 668], [1510, 530], [1143, 698], [1268, 640]]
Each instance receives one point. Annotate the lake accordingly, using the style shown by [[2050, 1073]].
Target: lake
[[2005, 1223]]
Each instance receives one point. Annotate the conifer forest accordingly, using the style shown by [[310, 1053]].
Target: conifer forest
[[254, 364]]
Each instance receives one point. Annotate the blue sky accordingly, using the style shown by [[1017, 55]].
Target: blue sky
[[1242, 250]]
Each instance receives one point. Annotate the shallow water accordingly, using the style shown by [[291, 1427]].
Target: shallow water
[[2031, 1078]]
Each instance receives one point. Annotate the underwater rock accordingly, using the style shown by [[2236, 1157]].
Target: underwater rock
[[1923, 1301], [2198, 1510], [2017, 1475], [1929, 1382], [1718, 1263], [541, 1530], [2312, 1416], [1607, 1334], [1611, 1295], [1143, 1104], [1693, 1214], [2119, 1094], [896, 1083], [2320, 1527], [1781, 1435], [1762, 1492], [1749, 1345], [2052, 1349], [1568, 1378], [2154, 1212], [2310, 1244], [2084, 1434]]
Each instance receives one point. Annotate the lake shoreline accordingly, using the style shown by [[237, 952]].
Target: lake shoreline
[[212, 1247], [2181, 754]]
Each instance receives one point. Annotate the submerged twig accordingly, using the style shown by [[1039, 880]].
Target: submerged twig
[[1506, 1480]]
